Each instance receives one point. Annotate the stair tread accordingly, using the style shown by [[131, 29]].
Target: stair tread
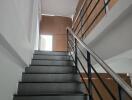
[[47, 61], [49, 57], [50, 73], [43, 77], [79, 82], [76, 82], [47, 73], [52, 59], [52, 82], [51, 94], [52, 53], [52, 97], [49, 69], [50, 66]]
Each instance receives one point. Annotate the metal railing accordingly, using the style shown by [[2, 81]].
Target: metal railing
[[74, 44], [88, 16]]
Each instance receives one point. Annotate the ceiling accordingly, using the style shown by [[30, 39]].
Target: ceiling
[[59, 7]]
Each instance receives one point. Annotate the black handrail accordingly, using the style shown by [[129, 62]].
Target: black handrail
[[73, 46]]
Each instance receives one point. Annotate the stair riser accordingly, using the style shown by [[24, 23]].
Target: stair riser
[[50, 62], [50, 53], [51, 57], [49, 69], [43, 88], [52, 98], [49, 77]]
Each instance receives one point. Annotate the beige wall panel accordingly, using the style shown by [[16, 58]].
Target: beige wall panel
[[56, 26]]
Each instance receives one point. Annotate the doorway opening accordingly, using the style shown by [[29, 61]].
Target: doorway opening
[[46, 42]]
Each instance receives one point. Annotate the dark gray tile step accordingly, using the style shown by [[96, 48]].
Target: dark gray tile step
[[56, 94], [53, 97], [51, 57], [49, 62], [49, 69], [52, 66], [47, 88], [50, 78], [51, 53]]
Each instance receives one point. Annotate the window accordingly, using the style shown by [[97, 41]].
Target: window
[[46, 42]]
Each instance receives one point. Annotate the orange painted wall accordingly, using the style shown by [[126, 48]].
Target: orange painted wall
[[56, 26]]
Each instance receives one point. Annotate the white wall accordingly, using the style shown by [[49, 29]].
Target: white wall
[[115, 41], [18, 25], [10, 74], [14, 28], [119, 65], [36, 46]]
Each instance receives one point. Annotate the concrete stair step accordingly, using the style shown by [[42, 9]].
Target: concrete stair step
[[51, 62], [50, 77], [44, 88], [49, 69], [62, 53], [72, 96], [51, 57]]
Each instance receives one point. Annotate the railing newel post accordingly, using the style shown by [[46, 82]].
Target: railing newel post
[[89, 75]]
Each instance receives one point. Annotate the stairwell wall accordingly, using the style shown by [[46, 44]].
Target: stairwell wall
[[18, 22]]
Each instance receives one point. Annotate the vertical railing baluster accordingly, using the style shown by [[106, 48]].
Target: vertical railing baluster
[[121, 94], [119, 91], [75, 56], [67, 42], [68, 48], [81, 22], [89, 75]]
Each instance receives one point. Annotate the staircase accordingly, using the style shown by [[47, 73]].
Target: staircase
[[51, 76]]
